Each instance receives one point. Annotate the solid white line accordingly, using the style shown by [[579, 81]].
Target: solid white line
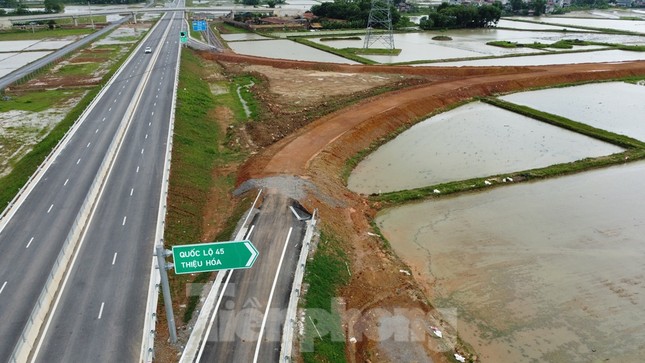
[[131, 191], [29, 243], [50, 208], [266, 311], [114, 258], [221, 296], [3, 285], [101, 310], [124, 218], [210, 323], [66, 180]]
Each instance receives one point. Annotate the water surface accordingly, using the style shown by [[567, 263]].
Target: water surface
[[475, 140], [614, 106], [550, 271]]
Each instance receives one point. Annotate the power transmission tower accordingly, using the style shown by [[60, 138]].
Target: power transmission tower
[[381, 19]]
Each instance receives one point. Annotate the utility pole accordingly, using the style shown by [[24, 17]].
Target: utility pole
[[161, 253]]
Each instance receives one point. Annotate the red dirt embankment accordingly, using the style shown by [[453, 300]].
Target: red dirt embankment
[[319, 150]]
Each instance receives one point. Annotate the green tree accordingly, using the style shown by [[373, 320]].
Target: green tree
[[54, 6], [538, 6], [250, 2], [517, 5]]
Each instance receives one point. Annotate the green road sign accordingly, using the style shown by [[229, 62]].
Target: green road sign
[[183, 36], [214, 256]]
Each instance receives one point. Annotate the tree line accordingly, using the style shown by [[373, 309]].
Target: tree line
[[355, 14], [462, 16]]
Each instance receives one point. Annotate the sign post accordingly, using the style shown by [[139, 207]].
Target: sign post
[[204, 257]]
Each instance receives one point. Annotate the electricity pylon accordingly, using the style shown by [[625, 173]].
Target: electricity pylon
[[380, 20]]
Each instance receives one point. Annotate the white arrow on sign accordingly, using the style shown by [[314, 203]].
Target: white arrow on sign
[[254, 253]]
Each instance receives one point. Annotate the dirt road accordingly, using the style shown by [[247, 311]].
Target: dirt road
[[318, 152]]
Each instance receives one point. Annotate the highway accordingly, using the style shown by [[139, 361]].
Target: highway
[[248, 323], [100, 313]]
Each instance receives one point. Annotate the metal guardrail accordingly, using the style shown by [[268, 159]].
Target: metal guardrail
[[290, 321]]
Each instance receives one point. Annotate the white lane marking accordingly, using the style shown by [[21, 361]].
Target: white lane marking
[[97, 131], [131, 191], [29, 243], [155, 104], [114, 258], [101, 310], [137, 168], [146, 136], [141, 151], [78, 161], [124, 218], [3, 285], [152, 113], [88, 144], [50, 208], [266, 311], [103, 119], [149, 123], [66, 180], [110, 109], [119, 93], [157, 96]]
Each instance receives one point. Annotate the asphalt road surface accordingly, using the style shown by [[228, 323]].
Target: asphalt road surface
[[243, 313], [100, 315], [32, 237]]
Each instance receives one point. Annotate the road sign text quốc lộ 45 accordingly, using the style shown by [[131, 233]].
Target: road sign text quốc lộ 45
[[204, 257]]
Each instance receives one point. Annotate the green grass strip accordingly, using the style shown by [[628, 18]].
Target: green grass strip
[[324, 340], [339, 52], [635, 151], [610, 137]]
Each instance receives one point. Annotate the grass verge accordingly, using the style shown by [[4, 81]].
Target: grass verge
[[22, 170], [325, 274], [197, 151]]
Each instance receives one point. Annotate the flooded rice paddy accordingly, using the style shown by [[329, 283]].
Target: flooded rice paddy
[[475, 140], [615, 106], [549, 271], [286, 49]]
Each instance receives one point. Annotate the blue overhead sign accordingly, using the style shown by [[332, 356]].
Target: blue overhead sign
[[199, 25]]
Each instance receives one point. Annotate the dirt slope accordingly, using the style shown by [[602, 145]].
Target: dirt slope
[[317, 152]]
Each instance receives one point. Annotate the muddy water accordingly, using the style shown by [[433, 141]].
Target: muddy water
[[552, 271], [616, 106], [474, 140], [286, 49]]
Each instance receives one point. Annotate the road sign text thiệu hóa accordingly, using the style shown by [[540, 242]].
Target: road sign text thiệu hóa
[[215, 256]]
